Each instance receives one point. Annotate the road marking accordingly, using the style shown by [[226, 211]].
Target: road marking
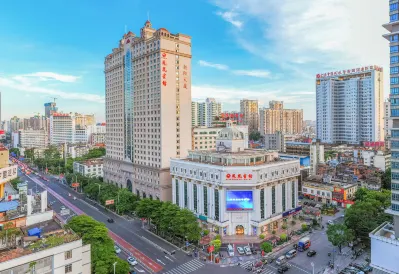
[[168, 258], [188, 267], [160, 261]]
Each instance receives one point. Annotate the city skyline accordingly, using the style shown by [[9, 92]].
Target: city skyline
[[240, 57]]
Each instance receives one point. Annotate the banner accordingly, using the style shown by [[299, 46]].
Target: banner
[[109, 202]]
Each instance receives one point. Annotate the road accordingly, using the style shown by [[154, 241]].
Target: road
[[128, 234]]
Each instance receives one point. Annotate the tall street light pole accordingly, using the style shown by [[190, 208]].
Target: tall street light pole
[[99, 189], [114, 266]]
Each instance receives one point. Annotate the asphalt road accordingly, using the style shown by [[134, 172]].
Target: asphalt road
[[128, 230]]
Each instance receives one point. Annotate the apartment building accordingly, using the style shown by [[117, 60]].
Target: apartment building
[[90, 168], [387, 124], [49, 109], [204, 114], [97, 138], [62, 128], [31, 138], [276, 118], [204, 138], [84, 120], [349, 106], [147, 77], [250, 111]]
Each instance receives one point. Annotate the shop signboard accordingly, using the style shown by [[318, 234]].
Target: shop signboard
[[292, 211], [109, 202]]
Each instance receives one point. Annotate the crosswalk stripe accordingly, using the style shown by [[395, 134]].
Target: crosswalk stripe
[[187, 267]]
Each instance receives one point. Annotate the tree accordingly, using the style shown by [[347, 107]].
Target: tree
[[339, 234], [266, 247], [15, 182], [304, 227], [216, 244], [254, 136], [29, 153], [283, 237], [15, 151], [386, 179]]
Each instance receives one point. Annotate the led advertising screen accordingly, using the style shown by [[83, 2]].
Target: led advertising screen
[[239, 200]]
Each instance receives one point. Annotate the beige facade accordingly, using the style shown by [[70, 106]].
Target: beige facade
[[83, 120], [276, 118], [33, 138], [250, 110], [148, 109]]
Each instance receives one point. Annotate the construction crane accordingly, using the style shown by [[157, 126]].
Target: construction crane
[[55, 98]]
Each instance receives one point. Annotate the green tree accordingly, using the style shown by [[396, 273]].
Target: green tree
[[304, 227], [217, 243], [29, 153], [15, 182], [254, 136], [16, 151], [266, 247], [283, 237], [386, 179], [102, 246], [339, 234]]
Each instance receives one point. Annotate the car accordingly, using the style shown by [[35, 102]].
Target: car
[[330, 222], [240, 250], [230, 250], [281, 260], [290, 254], [110, 220], [132, 261], [62, 207], [354, 270], [311, 253], [254, 250], [247, 250], [283, 268], [117, 249]]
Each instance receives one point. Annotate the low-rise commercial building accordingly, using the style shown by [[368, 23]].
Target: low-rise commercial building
[[204, 138], [30, 138], [97, 138], [90, 168], [240, 191], [378, 159]]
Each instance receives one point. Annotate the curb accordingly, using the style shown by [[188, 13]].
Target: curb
[[177, 248]]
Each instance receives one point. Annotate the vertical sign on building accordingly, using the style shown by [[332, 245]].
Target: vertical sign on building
[[185, 73], [164, 70]]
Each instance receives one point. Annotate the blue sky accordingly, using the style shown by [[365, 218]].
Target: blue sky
[[264, 49]]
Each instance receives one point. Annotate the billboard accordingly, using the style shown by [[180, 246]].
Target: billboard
[[109, 202], [239, 200]]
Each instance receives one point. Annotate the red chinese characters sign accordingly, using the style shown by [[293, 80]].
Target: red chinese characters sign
[[374, 144], [348, 71], [238, 176], [164, 70]]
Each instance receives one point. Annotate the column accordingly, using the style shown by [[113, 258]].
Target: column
[[257, 205], [174, 190], [279, 205], [200, 198], [222, 205], [211, 202], [268, 202], [190, 195], [289, 195]]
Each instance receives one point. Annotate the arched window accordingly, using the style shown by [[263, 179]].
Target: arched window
[[129, 185]]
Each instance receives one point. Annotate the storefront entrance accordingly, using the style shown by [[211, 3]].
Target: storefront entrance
[[239, 230]]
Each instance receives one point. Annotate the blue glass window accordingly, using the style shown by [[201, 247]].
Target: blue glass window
[[394, 59], [394, 90], [395, 133], [394, 80], [394, 38], [395, 155], [395, 164], [395, 176], [393, 7], [395, 102], [395, 144], [394, 70], [395, 206], [395, 186], [394, 17], [394, 49], [395, 112]]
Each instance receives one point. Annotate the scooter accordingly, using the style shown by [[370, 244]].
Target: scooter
[[74, 197]]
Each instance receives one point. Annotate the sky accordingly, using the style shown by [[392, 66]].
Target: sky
[[255, 49]]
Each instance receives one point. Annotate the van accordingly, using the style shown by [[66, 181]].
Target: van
[[230, 250], [290, 254], [280, 260]]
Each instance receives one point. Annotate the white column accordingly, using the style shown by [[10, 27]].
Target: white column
[[211, 201], [279, 205], [257, 205], [200, 199], [289, 195], [222, 205], [190, 195], [268, 202], [296, 192], [174, 190]]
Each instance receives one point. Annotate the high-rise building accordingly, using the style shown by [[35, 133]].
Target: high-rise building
[[62, 128], [385, 238], [276, 118], [16, 124], [148, 114], [49, 109], [203, 114], [350, 105], [31, 138], [250, 111], [387, 124]]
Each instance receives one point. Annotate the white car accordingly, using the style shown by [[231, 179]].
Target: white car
[[62, 207], [247, 250], [117, 249], [132, 261], [330, 222], [240, 250], [230, 250]]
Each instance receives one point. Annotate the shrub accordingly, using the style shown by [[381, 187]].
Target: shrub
[[206, 232], [266, 247], [284, 226], [293, 222], [273, 232], [304, 227], [261, 236], [283, 237], [217, 237]]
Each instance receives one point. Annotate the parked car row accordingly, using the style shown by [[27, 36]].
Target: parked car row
[[246, 250], [355, 268]]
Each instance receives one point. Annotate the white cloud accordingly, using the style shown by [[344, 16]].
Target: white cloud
[[35, 85], [230, 16], [253, 73], [212, 65], [45, 76]]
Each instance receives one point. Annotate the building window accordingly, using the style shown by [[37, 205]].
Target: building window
[[394, 38], [395, 197], [273, 200], [394, 90], [395, 112], [395, 186], [394, 80], [68, 268], [394, 70], [283, 196], [195, 198], [177, 193], [393, 7], [216, 204], [394, 49], [395, 164], [394, 59], [205, 201], [395, 176], [395, 207], [395, 133], [68, 254], [394, 17], [262, 203], [185, 195], [293, 194]]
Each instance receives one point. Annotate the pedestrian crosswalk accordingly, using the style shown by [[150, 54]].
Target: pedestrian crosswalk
[[266, 269], [186, 267]]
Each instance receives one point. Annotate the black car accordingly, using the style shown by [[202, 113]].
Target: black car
[[311, 253], [254, 251], [283, 269], [110, 220]]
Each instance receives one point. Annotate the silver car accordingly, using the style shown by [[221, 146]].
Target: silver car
[[247, 250]]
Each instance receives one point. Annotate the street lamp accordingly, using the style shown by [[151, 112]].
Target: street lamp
[[312, 264], [114, 266], [99, 189]]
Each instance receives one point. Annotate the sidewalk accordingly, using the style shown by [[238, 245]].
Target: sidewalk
[[343, 260]]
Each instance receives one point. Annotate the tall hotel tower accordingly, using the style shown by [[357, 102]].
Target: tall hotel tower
[[385, 238], [148, 110]]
